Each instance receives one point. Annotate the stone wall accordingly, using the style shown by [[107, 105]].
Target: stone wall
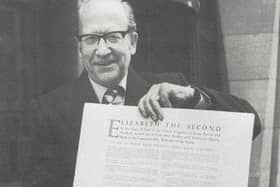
[[250, 33]]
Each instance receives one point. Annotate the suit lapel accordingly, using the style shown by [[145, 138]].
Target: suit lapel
[[83, 91], [136, 88]]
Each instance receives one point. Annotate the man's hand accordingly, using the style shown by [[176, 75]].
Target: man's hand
[[164, 95]]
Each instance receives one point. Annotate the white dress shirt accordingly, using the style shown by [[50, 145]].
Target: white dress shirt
[[100, 90]]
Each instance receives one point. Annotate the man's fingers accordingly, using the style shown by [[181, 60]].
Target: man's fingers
[[144, 110], [154, 101], [149, 105], [164, 98], [141, 108], [156, 108], [149, 109], [158, 96]]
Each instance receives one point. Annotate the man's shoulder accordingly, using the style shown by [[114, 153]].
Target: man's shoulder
[[52, 104], [58, 94], [171, 77]]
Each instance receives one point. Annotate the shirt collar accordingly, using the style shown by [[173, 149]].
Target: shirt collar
[[100, 90]]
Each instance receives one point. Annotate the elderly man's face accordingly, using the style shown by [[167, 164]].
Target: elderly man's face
[[107, 62]]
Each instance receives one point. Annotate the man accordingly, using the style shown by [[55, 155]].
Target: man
[[107, 40]]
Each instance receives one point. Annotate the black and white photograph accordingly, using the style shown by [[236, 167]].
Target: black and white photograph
[[139, 93]]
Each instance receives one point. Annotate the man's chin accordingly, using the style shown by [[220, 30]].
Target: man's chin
[[110, 83], [109, 80]]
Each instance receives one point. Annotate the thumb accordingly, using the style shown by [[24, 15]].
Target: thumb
[[164, 100]]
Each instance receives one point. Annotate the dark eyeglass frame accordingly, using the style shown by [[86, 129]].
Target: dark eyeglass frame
[[103, 36]]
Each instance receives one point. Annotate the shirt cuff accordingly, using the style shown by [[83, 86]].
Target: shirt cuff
[[204, 101]]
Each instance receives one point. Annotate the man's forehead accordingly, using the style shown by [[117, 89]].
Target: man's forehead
[[102, 28], [102, 7], [102, 14]]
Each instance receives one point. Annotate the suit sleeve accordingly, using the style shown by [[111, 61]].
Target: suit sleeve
[[40, 162], [226, 102], [219, 100]]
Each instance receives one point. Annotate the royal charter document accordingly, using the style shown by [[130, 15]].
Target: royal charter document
[[189, 148]]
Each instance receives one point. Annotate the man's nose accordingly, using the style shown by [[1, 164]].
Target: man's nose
[[102, 48]]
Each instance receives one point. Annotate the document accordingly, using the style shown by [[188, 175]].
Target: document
[[189, 148]]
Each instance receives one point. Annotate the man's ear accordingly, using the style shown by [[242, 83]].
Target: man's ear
[[133, 42]]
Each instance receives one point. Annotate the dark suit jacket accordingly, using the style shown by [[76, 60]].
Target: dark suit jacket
[[52, 136]]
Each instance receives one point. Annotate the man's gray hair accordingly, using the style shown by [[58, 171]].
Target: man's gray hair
[[127, 7], [130, 14]]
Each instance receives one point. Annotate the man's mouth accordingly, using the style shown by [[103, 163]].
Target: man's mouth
[[105, 63]]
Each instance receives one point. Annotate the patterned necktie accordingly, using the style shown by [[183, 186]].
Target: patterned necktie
[[114, 96]]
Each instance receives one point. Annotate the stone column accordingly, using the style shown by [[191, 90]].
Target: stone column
[[250, 32]]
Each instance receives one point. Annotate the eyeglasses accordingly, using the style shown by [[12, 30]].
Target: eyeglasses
[[110, 38]]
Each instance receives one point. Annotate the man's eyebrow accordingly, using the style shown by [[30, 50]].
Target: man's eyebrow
[[102, 33], [99, 32]]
